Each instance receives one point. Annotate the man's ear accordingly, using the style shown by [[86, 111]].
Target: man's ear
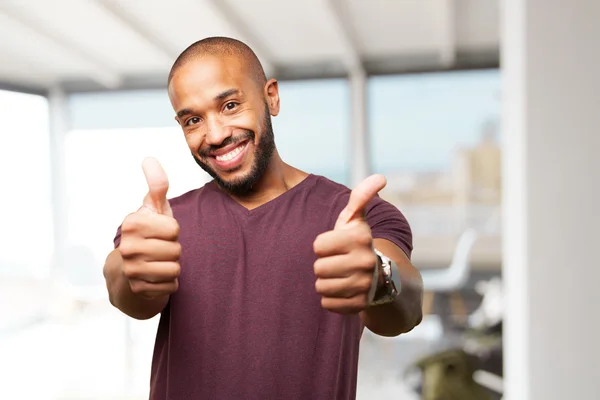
[[272, 96]]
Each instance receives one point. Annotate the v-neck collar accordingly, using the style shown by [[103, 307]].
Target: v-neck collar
[[265, 206]]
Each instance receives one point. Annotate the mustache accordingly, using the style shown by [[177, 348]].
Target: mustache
[[246, 135]]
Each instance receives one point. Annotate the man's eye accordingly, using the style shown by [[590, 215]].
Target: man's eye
[[231, 105], [192, 121]]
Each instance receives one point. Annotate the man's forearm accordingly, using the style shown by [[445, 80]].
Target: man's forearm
[[121, 296], [398, 317], [406, 311]]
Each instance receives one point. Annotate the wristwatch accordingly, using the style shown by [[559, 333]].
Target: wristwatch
[[389, 290]]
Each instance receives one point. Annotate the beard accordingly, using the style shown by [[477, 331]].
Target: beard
[[263, 152]]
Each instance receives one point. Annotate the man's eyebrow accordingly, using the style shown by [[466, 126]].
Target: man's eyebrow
[[185, 111], [219, 97], [225, 94]]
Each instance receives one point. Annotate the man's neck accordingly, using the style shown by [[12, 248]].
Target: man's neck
[[278, 179]]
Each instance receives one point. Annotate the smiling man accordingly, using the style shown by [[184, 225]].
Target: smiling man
[[265, 277]]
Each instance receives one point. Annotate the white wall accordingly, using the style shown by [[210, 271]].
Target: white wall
[[551, 61]]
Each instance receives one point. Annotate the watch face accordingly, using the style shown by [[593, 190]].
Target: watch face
[[387, 266], [391, 277], [387, 269]]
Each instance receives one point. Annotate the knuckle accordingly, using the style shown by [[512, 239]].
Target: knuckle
[[175, 286], [318, 244], [357, 303], [175, 229], [177, 250], [127, 248], [130, 270], [136, 287], [169, 227], [362, 302], [318, 267], [360, 235], [368, 260], [363, 235], [319, 285], [175, 270], [364, 285], [131, 223]]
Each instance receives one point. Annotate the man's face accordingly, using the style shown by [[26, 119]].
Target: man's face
[[225, 119]]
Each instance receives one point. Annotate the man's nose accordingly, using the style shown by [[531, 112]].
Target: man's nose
[[216, 133]]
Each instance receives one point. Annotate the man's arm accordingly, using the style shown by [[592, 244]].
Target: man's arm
[[406, 312], [122, 297]]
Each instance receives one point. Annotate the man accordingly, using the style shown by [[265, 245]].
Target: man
[[266, 276]]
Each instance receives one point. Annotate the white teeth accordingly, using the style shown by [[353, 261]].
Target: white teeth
[[231, 154]]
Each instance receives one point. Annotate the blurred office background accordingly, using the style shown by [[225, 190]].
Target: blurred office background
[[409, 88]]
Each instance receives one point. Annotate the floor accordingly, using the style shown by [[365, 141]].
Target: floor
[[82, 356], [78, 358]]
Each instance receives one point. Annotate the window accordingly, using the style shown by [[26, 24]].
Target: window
[[26, 201], [312, 131], [105, 181], [435, 137], [26, 236]]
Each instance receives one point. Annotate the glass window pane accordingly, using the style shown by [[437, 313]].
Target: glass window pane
[[26, 237], [312, 131], [25, 204], [105, 181], [436, 138]]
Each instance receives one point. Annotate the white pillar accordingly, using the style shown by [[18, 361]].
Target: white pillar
[[360, 151], [551, 168], [59, 126]]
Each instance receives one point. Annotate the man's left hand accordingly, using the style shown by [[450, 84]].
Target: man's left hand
[[346, 263]]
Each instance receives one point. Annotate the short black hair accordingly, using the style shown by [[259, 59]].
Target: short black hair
[[222, 46]]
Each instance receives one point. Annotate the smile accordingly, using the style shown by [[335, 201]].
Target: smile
[[232, 158], [232, 153]]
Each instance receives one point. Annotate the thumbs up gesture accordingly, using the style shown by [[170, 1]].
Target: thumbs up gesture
[[149, 239], [346, 264]]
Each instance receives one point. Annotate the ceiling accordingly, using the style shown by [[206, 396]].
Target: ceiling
[[88, 45]]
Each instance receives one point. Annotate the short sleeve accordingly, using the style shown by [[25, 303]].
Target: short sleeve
[[387, 222], [117, 239]]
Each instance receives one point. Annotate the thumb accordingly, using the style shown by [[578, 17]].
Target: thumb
[[359, 197], [158, 186]]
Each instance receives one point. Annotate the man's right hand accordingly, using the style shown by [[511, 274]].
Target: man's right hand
[[149, 240]]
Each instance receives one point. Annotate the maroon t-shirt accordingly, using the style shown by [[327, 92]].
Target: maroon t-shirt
[[246, 322]]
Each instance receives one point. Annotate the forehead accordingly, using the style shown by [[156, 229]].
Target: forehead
[[206, 77]]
